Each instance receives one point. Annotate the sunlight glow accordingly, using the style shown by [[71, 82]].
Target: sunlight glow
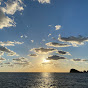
[[45, 61]]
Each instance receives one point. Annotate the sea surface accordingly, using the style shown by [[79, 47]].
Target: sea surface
[[43, 80]]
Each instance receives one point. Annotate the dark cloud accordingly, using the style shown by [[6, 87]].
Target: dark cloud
[[34, 55], [76, 59], [1, 53], [2, 59], [54, 44], [43, 50], [10, 43], [84, 60], [79, 59], [23, 63], [7, 63], [63, 52], [6, 50], [74, 40], [16, 59], [19, 59], [55, 57]]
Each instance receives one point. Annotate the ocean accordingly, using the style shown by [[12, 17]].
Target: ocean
[[43, 80]]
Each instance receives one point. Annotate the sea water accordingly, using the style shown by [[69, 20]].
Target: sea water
[[43, 80]]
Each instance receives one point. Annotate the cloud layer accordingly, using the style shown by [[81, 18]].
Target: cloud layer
[[21, 61]]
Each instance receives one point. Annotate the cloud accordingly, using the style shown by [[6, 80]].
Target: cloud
[[44, 1], [2, 59], [1, 53], [23, 36], [7, 63], [20, 59], [74, 40], [49, 25], [12, 6], [55, 57], [84, 60], [17, 59], [10, 43], [63, 52], [54, 44], [9, 9], [49, 35], [43, 50], [33, 55], [43, 40], [54, 38], [47, 63], [32, 41], [10, 65], [23, 63], [6, 50], [57, 27], [80, 60], [5, 21]]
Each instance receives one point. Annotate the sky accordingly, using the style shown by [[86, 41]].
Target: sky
[[43, 35]]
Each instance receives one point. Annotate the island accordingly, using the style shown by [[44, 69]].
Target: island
[[76, 71]]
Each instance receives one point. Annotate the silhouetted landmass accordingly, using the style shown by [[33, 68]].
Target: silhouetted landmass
[[76, 71]]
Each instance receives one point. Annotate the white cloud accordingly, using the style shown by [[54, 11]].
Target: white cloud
[[10, 43], [49, 35], [49, 25], [43, 40], [32, 41], [57, 27], [5, 21], [44, 1], [11, 6], [23, 36]]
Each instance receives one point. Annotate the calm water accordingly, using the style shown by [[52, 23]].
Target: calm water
[[43, 80]]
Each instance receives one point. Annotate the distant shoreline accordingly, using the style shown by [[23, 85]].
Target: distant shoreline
[[76, 71]]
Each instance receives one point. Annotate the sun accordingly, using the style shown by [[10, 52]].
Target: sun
[[45, 61]]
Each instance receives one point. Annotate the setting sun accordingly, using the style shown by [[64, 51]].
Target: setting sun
[[45, 61]]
